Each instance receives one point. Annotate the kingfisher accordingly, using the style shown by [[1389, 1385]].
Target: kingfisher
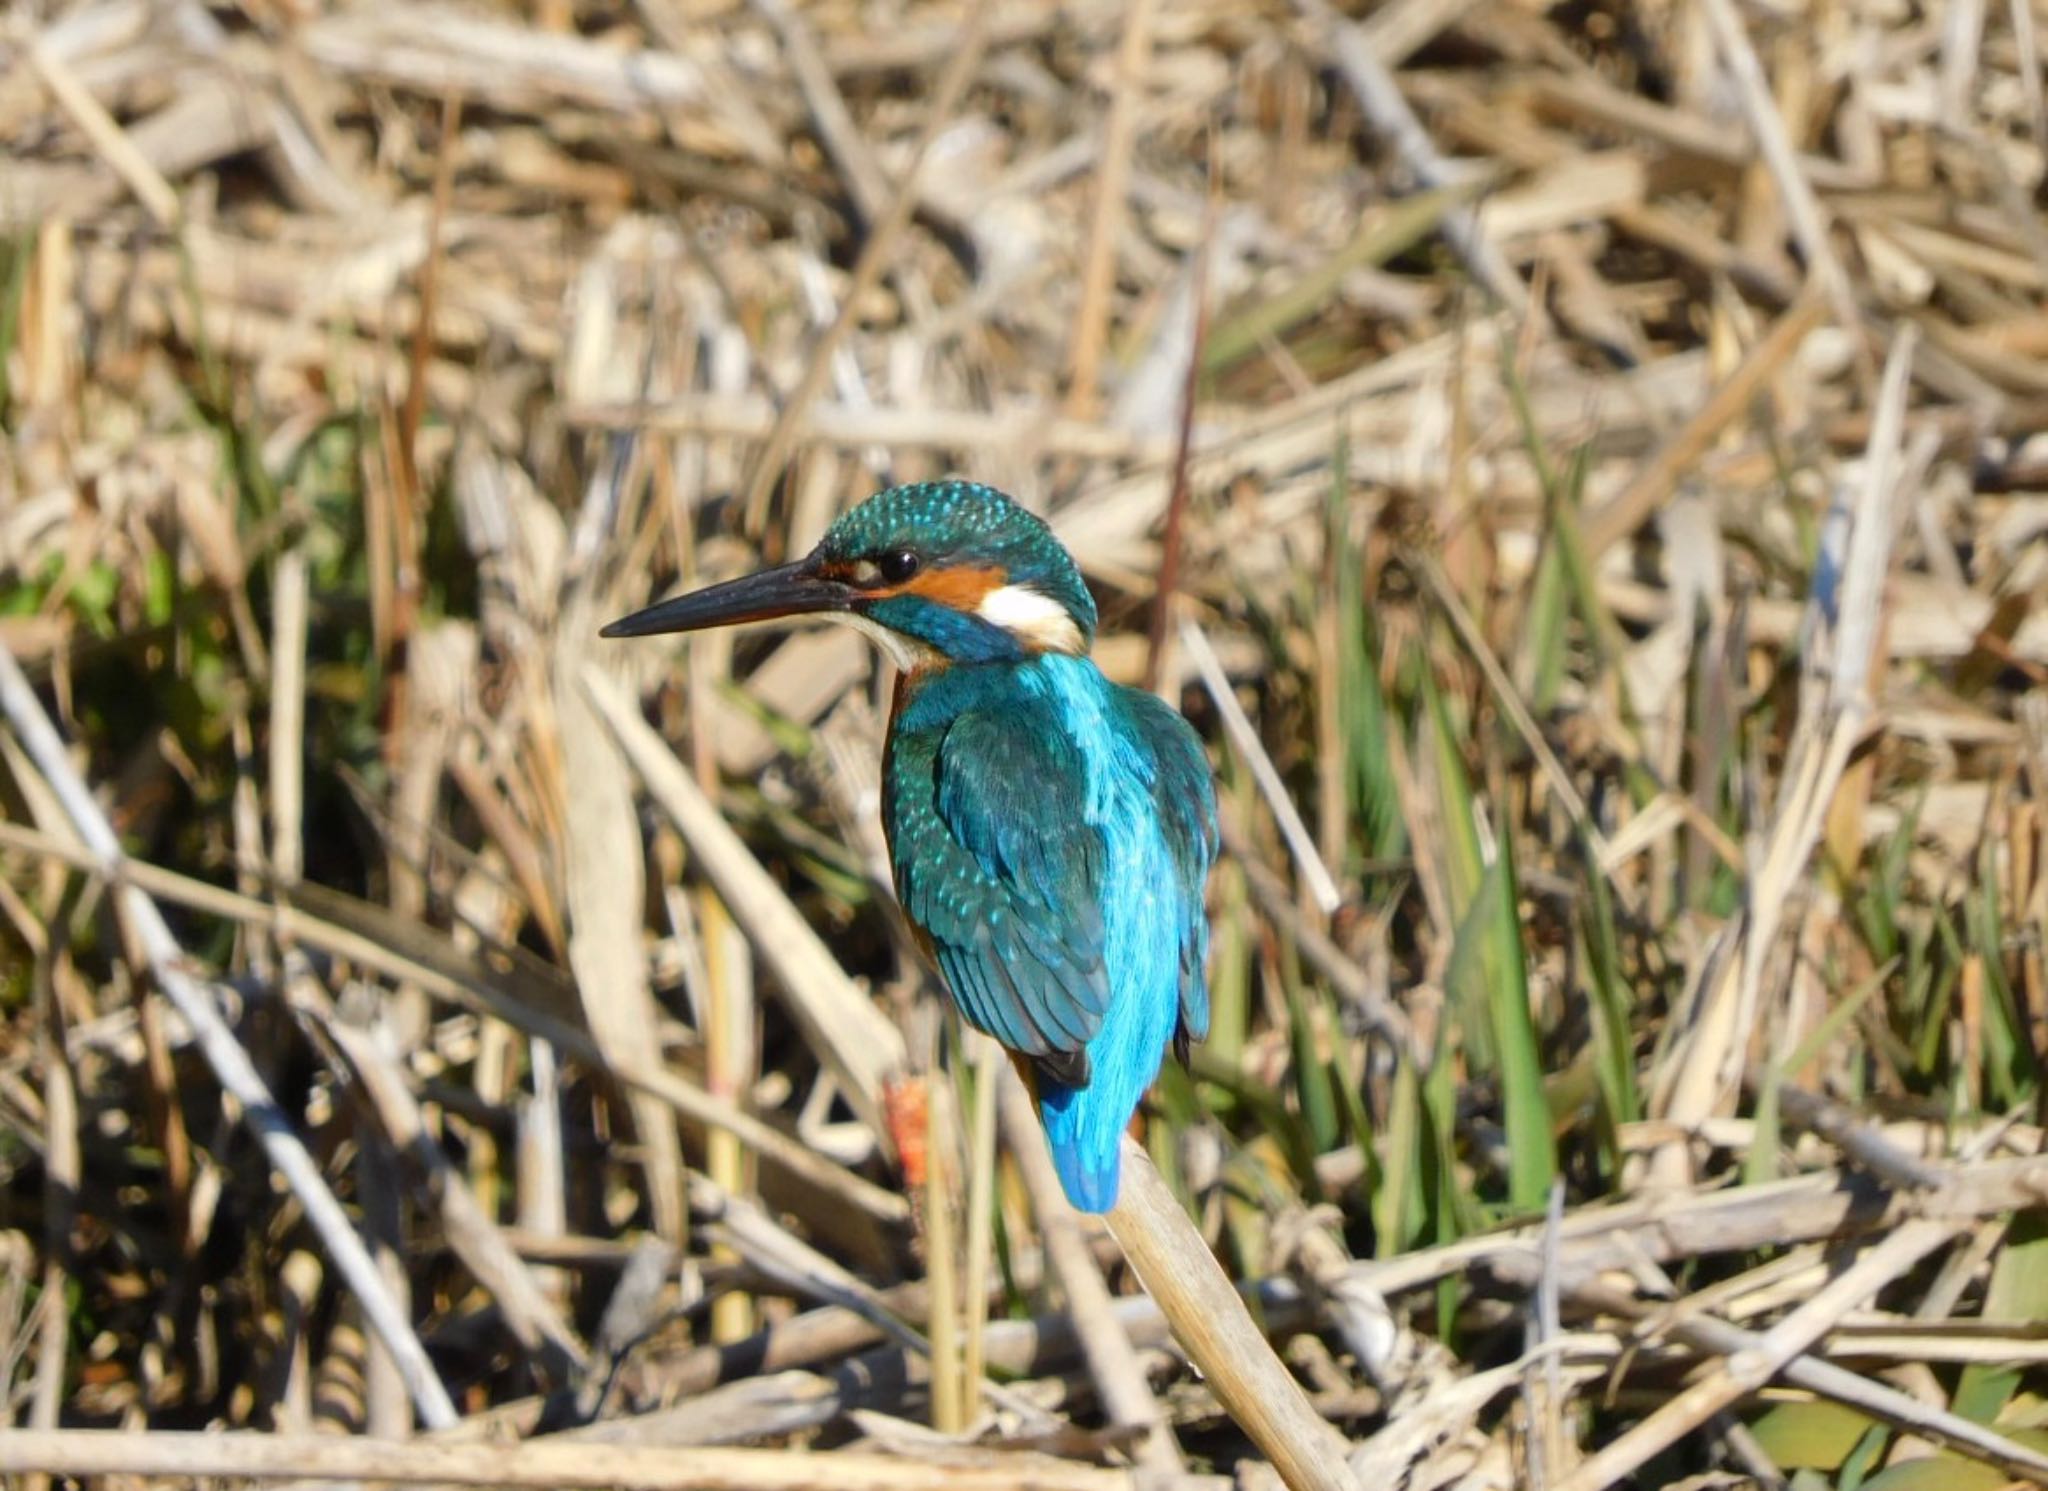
[[1050, 832]]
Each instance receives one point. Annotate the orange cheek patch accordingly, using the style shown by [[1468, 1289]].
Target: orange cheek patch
[[962, 587]]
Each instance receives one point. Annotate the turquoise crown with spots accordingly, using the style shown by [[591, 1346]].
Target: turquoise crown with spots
[[962, 523]]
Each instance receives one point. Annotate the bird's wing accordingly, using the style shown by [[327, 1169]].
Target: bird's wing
[[1185, 794], [997, 863]]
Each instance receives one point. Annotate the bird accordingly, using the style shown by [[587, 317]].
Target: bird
[[1050, 832]]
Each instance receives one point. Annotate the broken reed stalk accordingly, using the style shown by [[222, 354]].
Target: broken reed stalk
[[1213, 1326]]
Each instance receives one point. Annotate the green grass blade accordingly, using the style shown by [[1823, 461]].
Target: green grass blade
[[1397, 1200], [1312, 1087], [1490, 978], [1607, 994], [15, 258], [1383, 235], [1368, 777]]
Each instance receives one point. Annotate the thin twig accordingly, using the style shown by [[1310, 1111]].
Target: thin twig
[[1246, 739], [837, 132], [1621, 514], [1277, 903], [474, 1237], [1170, 539], [769, 1246], [1809, 221], [1362, 67], [105, 133], [1507, 696], [1704, 1331]]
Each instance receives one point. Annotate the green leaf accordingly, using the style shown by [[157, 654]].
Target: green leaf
[[1543, 642], [1939, 1473], [2016, 1295], [1810, 1436], [159, 588], [1609, 997]]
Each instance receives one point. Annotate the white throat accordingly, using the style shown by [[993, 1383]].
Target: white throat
[[907, 653]]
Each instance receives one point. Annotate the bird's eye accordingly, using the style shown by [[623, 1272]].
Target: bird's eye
[[897, 565]]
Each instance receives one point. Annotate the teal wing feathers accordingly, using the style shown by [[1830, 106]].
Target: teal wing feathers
[[997, 865], [1185, 796]]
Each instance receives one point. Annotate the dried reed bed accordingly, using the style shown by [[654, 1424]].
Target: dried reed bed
[[1578, 467]]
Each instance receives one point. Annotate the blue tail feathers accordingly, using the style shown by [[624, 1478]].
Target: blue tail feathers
[[1084, 1126], [1088, 1177]]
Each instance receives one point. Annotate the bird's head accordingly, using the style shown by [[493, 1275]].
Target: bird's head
[[938, 572]]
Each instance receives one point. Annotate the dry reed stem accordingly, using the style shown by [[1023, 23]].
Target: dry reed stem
[[64, 1170], [107, 136], [1098, 266], [1367, 73], [988, 1063], [474, 1236], [603, 878], [286, 776], [638, 231], [86, 1452], [1767, 126], [855, 1039], [1211, 1324], [1750, 1368], [942, 1269], [1127, 1398], [1707, 1332], [1306, 858], [1655, 480]]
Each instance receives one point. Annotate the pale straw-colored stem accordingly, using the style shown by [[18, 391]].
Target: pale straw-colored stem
[[1213, 1326]]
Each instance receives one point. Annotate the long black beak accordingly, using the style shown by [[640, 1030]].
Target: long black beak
[[787, 590]]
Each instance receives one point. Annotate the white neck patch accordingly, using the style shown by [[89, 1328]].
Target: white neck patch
[[1032, 616]]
